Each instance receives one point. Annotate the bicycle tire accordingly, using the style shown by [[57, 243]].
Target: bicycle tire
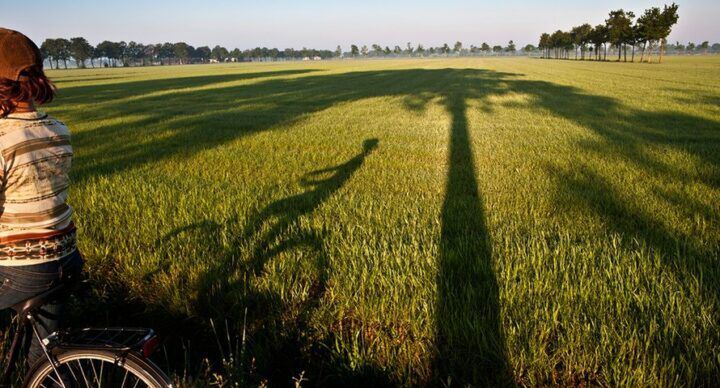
[[71, 366]]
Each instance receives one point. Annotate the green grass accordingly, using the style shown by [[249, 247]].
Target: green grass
[[487, 221]]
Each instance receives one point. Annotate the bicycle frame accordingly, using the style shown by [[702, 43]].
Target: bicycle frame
[[11, 357], [119, 340], [25, 320]]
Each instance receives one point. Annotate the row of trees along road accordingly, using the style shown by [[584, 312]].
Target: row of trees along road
[[648, 33], [81, 52], [420, 50], [113, 54]]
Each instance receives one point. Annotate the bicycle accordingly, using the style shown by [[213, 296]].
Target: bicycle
[[89, 357]]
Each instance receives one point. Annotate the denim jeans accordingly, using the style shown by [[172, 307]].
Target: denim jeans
[[20, 283]]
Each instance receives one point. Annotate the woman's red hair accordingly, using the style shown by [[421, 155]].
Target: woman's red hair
[[32, 86]]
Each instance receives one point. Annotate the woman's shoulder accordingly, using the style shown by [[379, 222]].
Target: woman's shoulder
[[18, 127]]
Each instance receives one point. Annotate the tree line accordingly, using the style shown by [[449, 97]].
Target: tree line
[[648, 33], [585, 39], [112, 54], [420, 50]]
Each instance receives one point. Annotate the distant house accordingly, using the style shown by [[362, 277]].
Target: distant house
[[316, 58], [306, 58]]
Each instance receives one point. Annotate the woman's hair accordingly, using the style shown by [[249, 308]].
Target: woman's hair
[[32, 85]]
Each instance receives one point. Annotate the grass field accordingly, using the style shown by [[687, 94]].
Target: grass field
[[486, 221]]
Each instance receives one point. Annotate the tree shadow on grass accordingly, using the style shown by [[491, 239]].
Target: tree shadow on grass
[[469, 331], [640, 142], [469, 338], [640, 139], [588, 190], [115, 92], [196, 116]]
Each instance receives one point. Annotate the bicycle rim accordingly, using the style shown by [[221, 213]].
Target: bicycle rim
[[96, 368]]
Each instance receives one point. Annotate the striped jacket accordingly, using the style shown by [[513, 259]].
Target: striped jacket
[[35, 220]]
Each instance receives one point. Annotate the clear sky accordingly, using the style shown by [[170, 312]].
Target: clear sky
[[326, 23]]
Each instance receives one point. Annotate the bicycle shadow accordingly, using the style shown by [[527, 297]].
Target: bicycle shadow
[[229, 285]]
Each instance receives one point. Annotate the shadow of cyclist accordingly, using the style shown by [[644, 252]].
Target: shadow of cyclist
[[275, 229]]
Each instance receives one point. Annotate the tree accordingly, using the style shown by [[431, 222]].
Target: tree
[[445, 49], [497, 49], [566, 43], [93, 56], [203, 53], [543, 45], [62, 50], [397, 50], [258, 53], [458, 47], [420, 50], [559, 42], [338, 51], [582, 36], [134, 51], [219, 53], [647, 28], [182, 51], [387, 50], [235, 53], [704, 46], [80, 50], [640, 30], [654, 26], [528, 48], [48, 49], [511, 47], [409, 48], [150, 53], [354, 50], [166, 51], [599, 38], [377, 49], [619, 25], [575, 37], [364, 50], [121, 50], [485, 47], [634, 39], [669, 18], [290, 53], [109, 50]]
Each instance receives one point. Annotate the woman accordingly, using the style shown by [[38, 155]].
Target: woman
[[37, 236]]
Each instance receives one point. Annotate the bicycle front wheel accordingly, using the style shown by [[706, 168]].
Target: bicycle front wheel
[[97, 368]]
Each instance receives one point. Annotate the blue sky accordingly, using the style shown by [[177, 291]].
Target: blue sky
[[326, 24]]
